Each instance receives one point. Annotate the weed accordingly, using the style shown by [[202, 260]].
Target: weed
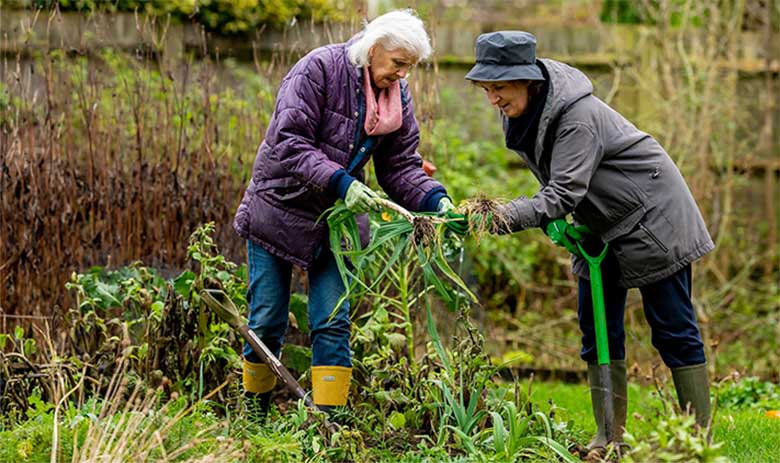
[[748, 392], [674, 438]]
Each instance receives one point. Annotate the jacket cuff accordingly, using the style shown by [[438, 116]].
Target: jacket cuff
[[520, 215], [339, 183], [430, 201], [543, 222]]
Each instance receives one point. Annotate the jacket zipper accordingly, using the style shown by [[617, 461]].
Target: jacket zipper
[[358, 126], [653, 237]]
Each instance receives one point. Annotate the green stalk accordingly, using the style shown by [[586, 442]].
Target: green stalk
[[403, 290], [433, 334]]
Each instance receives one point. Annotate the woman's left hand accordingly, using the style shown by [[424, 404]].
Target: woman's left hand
[[445, 205], [360, 198]]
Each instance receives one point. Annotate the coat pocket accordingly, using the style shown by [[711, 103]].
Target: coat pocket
[[654, 238], [294, 197], [613, 206], [645, 250]]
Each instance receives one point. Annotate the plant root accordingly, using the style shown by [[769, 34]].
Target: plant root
[[485, 216], [424, 233]]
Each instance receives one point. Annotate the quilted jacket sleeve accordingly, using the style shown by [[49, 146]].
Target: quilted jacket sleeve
[[299, 111], [399, 166]]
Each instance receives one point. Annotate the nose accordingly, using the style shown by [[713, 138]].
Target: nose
[[402, 72], [493, 97]]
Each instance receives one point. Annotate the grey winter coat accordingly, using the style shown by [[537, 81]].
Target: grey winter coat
[[313, 150], [614, 178]]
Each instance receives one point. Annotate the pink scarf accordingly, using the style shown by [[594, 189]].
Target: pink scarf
[[383, 114]]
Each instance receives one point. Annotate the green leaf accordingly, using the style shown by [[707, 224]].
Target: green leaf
[[157, 308], [106, 293], [558, 448], [397, 420], [441, 263], [183, 283], [436, 340], [297, 358], [499, 433]]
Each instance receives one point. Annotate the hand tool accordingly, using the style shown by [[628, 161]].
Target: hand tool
[[226, 310]]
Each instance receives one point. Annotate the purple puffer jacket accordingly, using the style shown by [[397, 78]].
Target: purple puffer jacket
[[301, 165]]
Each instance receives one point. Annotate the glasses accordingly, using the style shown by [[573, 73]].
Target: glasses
[[401, 66]]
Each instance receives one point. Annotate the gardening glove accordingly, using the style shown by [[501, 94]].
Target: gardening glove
[[563, 234], [360, 198], [456, 223], [445, 205]]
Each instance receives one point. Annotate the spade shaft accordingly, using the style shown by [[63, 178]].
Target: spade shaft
[[600, 328], [227, 311], [579, 235]]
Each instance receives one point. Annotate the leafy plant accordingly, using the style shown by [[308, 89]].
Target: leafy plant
[[515, 434], [225, 16], [674, 438], [416, 237], [466, 417], [750, 392]]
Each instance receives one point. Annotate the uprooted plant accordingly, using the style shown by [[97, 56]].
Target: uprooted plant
[[410, 236], [485, 216]]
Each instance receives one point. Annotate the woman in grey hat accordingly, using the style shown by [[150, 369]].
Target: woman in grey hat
[[594, 164]]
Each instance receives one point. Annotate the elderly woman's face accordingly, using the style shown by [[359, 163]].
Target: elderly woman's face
[[387, 66], [510, 97]]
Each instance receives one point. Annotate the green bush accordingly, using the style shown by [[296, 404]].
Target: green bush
[[224, 16], [749, 392]]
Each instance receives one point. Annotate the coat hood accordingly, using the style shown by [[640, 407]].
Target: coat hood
[[566, 85]]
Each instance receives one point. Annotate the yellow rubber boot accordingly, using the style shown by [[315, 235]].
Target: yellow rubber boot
[[258, 378], [330, 385]]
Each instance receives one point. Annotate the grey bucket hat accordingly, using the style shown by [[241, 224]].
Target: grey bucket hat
[[505, 55]]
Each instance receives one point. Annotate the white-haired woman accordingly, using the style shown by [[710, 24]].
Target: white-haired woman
[[338, 107]]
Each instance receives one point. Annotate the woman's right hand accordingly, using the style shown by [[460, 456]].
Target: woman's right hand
[[360, 198]]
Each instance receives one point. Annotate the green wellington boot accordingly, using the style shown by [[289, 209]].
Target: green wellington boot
[[619, 403], [693, 390]]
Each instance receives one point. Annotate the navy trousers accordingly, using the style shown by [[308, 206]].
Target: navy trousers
[[668, 310]]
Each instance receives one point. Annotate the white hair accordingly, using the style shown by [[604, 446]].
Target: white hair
[[400, 29]]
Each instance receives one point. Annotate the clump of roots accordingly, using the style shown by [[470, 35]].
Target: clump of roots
[[424, 232], [485, 216]]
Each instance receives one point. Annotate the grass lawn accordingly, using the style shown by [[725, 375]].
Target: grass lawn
[[748, 436]]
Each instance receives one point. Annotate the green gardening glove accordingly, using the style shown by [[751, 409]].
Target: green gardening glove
[[564, 234], [360, 198], [456, 223]]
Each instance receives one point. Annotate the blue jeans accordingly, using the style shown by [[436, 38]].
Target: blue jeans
[[668, 310], [269, 296]]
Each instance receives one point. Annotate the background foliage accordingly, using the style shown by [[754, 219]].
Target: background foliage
[[112, 155], [224, 16]]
